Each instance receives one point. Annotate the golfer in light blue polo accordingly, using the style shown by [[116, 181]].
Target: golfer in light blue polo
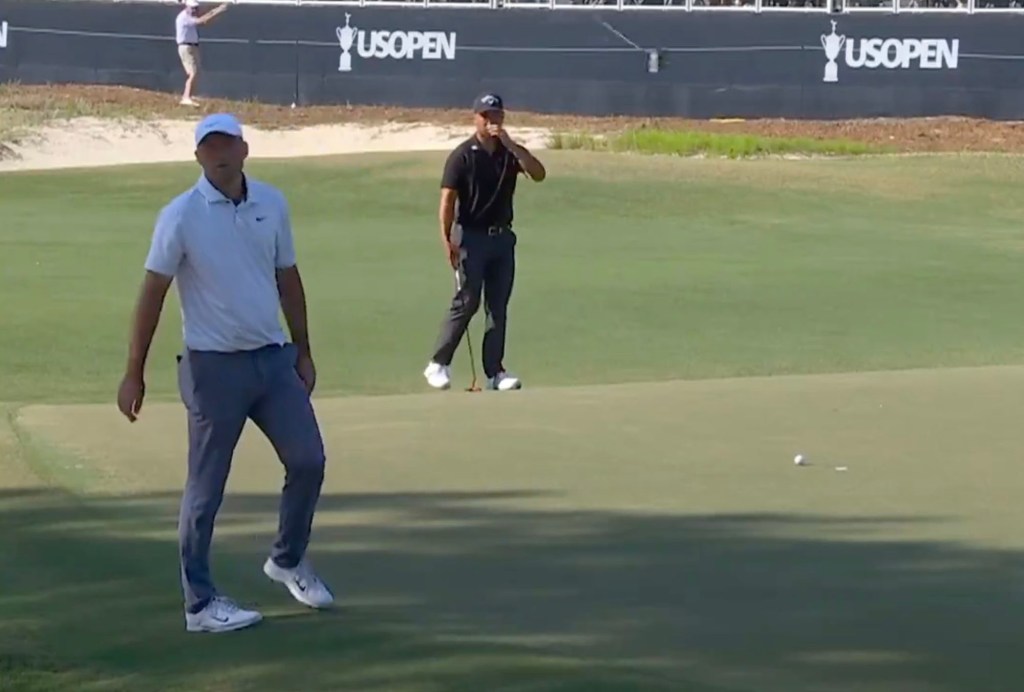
[[228, 242]]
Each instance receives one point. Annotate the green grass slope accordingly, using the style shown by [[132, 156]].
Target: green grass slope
[[630, 269]]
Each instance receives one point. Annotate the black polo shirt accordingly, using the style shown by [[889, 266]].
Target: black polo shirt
[[485, 183]]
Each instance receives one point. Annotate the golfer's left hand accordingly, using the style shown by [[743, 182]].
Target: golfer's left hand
[[307, 371]]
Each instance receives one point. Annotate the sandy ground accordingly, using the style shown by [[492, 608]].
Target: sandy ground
[[117, 125], [90, 141]]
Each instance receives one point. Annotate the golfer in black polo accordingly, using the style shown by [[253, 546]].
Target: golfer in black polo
[[481, 175]]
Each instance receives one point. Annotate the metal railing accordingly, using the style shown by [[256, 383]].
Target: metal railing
[[751, 6]]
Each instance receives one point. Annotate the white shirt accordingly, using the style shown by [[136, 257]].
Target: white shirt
[[186, 29], [224, 259]]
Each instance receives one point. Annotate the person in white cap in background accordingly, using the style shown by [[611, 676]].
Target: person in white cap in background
[[187, 35], [227, 241]]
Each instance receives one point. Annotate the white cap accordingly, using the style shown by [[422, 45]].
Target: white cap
[[218, 122], [191, 3]]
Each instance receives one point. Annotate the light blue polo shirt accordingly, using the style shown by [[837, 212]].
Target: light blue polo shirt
[[224, 260]]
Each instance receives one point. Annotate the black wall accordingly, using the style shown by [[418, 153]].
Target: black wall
[[580, 61]]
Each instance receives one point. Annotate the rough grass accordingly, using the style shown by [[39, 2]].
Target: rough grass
[[21, 111], [693, 143]]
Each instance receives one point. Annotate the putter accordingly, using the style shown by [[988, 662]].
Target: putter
[[469, 340]]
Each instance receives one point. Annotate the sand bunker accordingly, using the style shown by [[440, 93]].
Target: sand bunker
[[87, 142]]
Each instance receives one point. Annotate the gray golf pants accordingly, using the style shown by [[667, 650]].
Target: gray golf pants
[[488, 263], [221, 391]]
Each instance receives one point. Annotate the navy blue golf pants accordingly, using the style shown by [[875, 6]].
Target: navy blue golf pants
[[221, 391]]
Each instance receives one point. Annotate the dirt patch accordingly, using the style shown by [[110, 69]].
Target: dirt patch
[[23, 106]]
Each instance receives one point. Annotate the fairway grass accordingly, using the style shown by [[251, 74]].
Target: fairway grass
[[629, 269], [631, 520], [630, 537]]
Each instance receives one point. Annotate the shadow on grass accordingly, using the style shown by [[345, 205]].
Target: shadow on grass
[[464, 591]]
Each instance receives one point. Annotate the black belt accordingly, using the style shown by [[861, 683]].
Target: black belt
[[489, 230], [189, 44]]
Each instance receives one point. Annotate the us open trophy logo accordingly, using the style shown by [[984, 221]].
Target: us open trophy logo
[[346, 35], [832, 43]]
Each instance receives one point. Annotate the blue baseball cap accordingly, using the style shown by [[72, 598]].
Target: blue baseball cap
[[224, 123]]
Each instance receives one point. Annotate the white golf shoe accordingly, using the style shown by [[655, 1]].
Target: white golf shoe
[[221, 615], [303, 583], [438, 376], [504, 382]]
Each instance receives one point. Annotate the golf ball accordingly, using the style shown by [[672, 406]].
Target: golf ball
[[798, 460]]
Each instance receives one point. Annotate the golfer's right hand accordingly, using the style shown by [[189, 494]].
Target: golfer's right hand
[[130, 395], [454, 255]]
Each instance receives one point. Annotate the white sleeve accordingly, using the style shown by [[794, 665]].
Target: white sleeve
[[285, 245], [166, 250]]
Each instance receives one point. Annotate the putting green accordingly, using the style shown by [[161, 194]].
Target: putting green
[[676, 447], [661, 527]]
